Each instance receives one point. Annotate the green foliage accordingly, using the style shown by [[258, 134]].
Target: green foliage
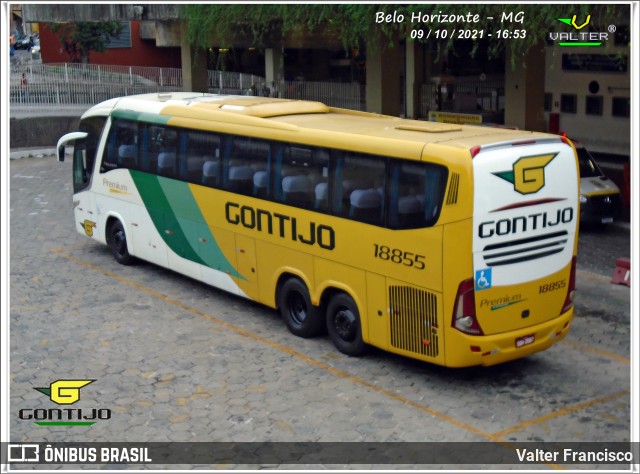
[[79, 39], [355, 24]]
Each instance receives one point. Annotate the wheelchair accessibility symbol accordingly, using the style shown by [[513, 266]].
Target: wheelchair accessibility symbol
[[483, 279]]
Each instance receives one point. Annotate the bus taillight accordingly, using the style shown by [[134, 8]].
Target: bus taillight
[[568, 302], [464, 313]]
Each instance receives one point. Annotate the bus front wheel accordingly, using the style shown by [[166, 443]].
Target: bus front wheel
[[343, 325], [299, 314], [118, 243]]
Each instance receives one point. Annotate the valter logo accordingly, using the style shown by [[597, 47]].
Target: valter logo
[[578, 38], [572, 21], [64, 392]]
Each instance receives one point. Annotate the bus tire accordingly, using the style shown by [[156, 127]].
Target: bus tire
[[117, 240], [301, 317], [343, 325]]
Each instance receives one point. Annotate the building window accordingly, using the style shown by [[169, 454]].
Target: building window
[[621, 107], [548, 98], [123, 40], [569, 103], [594, 105]]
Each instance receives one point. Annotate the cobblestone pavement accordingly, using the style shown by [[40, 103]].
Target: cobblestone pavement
[[175, 360]]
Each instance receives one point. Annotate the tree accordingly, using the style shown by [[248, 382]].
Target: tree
[[79, 39], [357, 23]]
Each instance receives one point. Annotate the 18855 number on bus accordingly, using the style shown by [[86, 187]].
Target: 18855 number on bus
[[409, 259]]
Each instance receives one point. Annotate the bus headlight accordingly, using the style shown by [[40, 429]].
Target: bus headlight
[[583, 199]]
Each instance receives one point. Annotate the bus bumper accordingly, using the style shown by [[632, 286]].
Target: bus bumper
[[499, 348]]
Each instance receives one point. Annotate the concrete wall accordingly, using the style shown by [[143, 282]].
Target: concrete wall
[[91, 12], [35, 132]]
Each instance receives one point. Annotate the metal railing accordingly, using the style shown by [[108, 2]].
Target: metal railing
[[466, 95], [88, 84], [347, 95], [97, 74]]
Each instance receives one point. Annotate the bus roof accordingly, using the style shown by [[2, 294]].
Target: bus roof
[[311, 115]]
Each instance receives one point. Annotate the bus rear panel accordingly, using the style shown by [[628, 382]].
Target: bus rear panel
[[525, 219]]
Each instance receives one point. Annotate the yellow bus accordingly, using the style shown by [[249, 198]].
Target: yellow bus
[[452, 244]]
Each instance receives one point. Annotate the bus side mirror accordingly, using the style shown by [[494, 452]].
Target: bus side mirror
[[60, 148]]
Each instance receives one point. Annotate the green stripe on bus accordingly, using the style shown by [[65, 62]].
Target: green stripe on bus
[[178, 219], [141, 116]]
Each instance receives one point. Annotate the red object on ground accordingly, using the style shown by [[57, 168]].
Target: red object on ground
[[622, 272]]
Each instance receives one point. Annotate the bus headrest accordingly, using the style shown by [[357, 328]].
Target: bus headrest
[[127, 151], [166, 159], [293, 184], [210, 168], [365, 198]]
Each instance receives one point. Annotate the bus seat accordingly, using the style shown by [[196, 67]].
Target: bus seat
[[315, 177], [127, 156], [167, 164], [409, 205], [297, 190], [349, 185], [194, 168], [241, 179], [210, 173], [260, 180], [410, 211], [366, 205], [322, 196]]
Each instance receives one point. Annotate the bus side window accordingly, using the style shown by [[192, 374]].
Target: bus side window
[[359, 188], [167, 140], [245, 161], [296, 177], [416, 192], [149, 148], [320, 174], [122, 146], [197, 148]]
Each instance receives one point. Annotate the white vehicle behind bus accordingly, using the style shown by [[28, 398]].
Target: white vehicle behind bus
[[600, 198]]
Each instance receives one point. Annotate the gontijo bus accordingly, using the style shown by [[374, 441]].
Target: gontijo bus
[[451, 244]]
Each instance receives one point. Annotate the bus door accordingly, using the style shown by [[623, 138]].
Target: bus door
[[246, 264], [84, 203], [377, 320]]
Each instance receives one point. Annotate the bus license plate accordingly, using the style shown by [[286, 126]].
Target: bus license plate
[[525, 341], [607, 220]]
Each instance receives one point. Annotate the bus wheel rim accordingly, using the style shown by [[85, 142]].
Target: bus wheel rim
[[345, 323], [120, 241], [297, 309]]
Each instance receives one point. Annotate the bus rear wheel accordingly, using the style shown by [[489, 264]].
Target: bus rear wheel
[[343, 325], [117, 240], [299, 314]]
